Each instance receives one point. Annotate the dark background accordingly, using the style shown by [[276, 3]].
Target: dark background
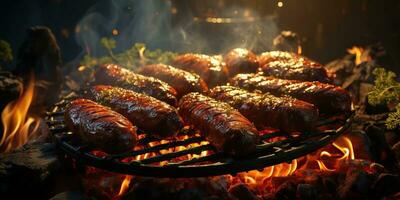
[[327, 28]]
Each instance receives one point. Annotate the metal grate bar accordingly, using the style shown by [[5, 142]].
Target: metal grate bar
[[164, 157], [160, 147]]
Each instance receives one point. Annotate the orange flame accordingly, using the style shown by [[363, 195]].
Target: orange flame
[[19, 127], [358, 51], [299, 50], [125, 185], [262, 179]]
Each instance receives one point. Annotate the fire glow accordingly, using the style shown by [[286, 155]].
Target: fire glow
[[19, 126], [328, 159]]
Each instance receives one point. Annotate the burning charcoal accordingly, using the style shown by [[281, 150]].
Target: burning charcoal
[[70, 195], [286, 191], [387, 184], [213, 187], [102, 184], [306, 192], [356, 185], [32, 168], [241, 191], [40, 54], [150, 188]]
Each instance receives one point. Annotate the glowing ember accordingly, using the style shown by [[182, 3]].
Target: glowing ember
[[19, 127], [327, 160]]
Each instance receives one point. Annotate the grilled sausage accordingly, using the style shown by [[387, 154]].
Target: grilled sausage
[[115, 75], [100, 127], [241, 60], [147, 113], [183, 81], [266, 110], [291, 66], [223, 126], [210, 68], [271, 56], [328, 98]]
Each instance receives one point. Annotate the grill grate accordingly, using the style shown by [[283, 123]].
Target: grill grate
[[277, 147]]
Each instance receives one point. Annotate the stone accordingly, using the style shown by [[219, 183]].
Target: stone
[[32, 168]]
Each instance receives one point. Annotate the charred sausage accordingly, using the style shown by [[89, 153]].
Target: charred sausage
[[100, 127], [147, 113], [291, 66], [266, 110], [241, 60], [328, 98], [223, 126], [111, 74], [210, 68], [183, 81]]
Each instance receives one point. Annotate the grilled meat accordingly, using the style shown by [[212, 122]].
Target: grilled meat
[[223, 126], [266, 110], [147, 113], [100, 127], [241, 60], [271, 56], [291, 66], [328, 98], [183, 81], [210, 68], [115, 75]]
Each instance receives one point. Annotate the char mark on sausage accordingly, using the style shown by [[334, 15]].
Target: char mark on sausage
[[223, 126]]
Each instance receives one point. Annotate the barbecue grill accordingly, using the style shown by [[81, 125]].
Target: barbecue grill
[[283, 148]]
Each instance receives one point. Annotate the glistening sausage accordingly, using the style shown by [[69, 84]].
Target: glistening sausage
[[100, 127], [149, 114], [223, 126]]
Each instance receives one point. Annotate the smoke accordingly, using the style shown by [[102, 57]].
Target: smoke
[[159, 24]]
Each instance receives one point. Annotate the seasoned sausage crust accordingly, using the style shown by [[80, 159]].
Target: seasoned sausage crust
[[266, 110], [328, 98], [111, 74], [210, 68], [149, 114], [100, 127], [223, 126], [183, 81], [241, 60], [292, 66]]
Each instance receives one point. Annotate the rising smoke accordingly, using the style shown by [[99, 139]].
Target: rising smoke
[[154, 23]]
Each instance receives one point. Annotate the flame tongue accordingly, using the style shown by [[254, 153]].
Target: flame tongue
[[18, 125]]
